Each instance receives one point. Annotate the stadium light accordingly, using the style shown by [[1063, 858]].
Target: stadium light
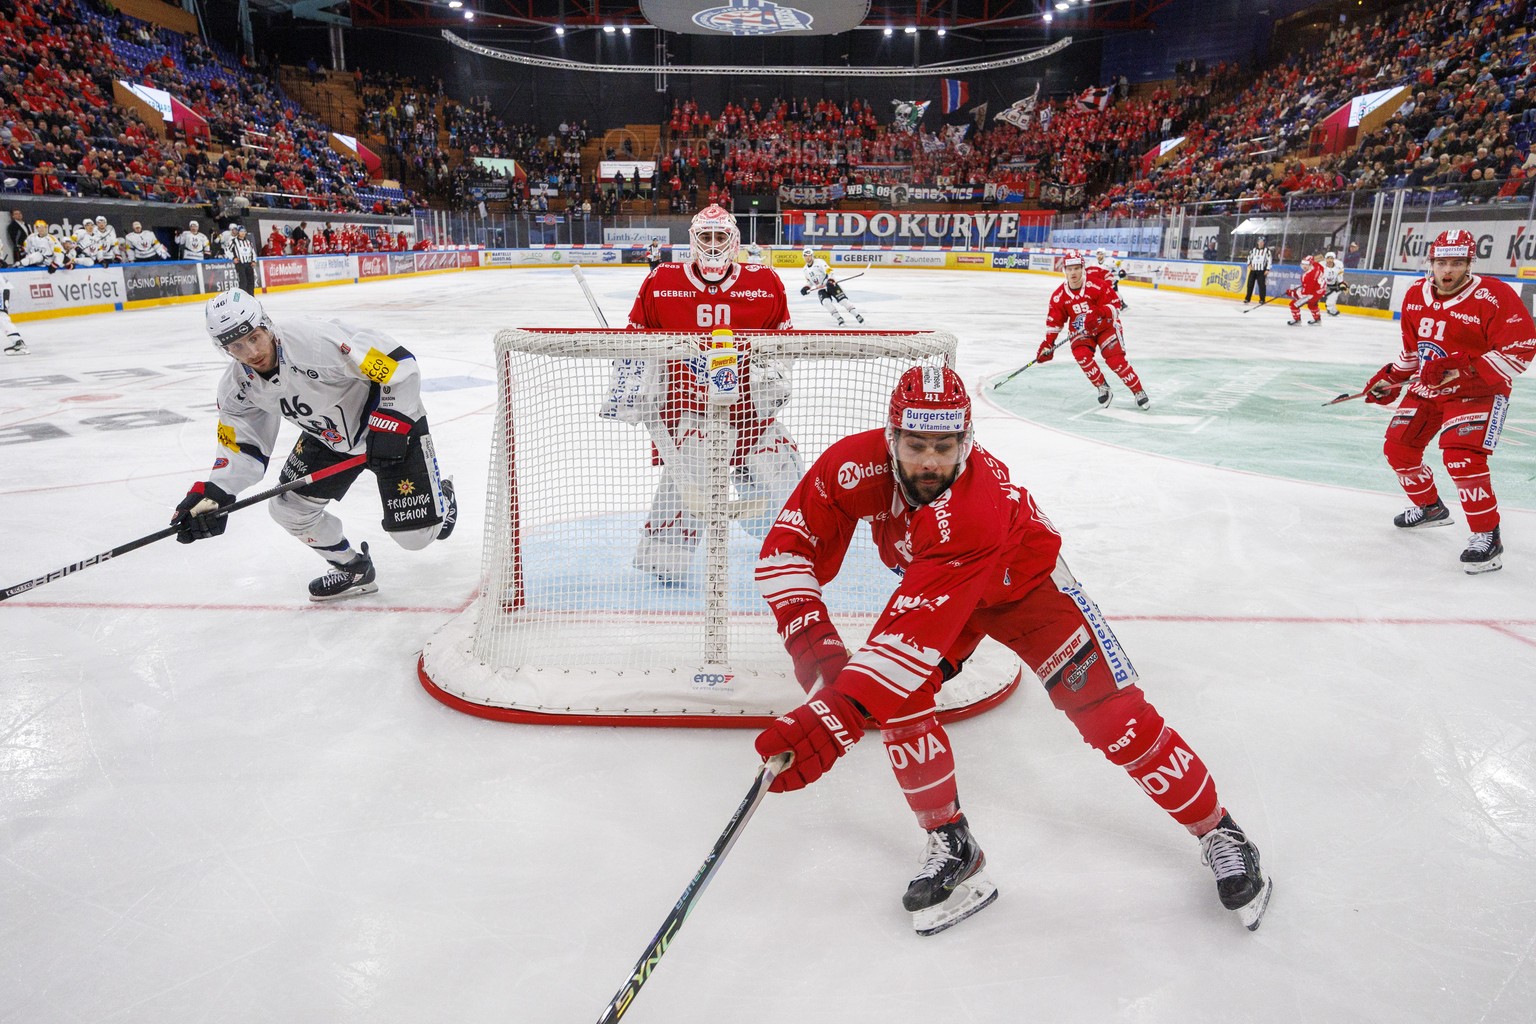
[[625, 30], [469, 15], [455, 4], [559, 30], [887, 30], [942, 31], [1046, 18], [608, 30], [1062, 5], [910, 30]]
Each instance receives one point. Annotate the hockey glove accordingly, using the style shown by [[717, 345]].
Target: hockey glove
[[389, 438], [805, 289], [1047, 351], [192, 519], [812, 641], [817, 733], [1384, 388], [1459, 375]]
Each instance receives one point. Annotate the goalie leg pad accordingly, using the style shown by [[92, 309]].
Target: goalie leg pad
[[766, 478], [924, 763]]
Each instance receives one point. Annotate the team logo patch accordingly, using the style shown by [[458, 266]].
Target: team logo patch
[[332, 437], [227, 437], [753, 18], [406, 487], [220, 463]]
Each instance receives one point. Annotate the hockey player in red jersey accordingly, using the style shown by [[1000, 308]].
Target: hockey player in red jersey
[[710, 291], [1465, 339], [976, 558], [1309, 293], [1090, 312]]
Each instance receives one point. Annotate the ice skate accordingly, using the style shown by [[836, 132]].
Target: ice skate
[[351, 580], [1333, 312], [1483, 553], [1314, 321], [1105, 396], [1293, 323], [450, 511], [1240, 882], [859, 317], [952, 884], [1142, 400], [670, 563], [17, 348], [1433, 514]]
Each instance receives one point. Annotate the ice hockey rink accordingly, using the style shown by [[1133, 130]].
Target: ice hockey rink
[[219, 802]]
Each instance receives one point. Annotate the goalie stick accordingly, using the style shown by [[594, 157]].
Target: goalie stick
[[169, 531], [658, 945], [1026, 366], [586, 290]]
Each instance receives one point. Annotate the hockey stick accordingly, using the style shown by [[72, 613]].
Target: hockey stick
[[586, 290], [1346, 398], [646, 965], [292, 485], [1262, 302], [850, 277], [1026, 366]]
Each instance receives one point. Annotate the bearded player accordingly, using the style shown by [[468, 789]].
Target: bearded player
[[1090, 311], [1465, 339], [709, 291], [976, 557]]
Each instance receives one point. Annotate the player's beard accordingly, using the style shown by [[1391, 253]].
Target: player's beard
[[925, 487], [1451, 282]]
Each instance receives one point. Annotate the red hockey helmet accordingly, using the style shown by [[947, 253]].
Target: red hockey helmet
[[1072, 259], [1453, 245], [931, 400]]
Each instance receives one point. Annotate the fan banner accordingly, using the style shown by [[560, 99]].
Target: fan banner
[[755, 17]]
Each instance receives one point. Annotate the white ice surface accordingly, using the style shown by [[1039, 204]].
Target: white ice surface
[[219, 803]]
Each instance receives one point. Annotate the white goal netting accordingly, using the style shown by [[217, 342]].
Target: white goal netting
[[624, 516]]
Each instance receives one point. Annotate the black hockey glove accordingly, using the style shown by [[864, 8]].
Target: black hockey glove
[[805, 289], [192, 518], [389, 438]]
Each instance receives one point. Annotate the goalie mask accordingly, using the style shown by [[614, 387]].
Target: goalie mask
[[714, 240], [233, 315], [928, 432]]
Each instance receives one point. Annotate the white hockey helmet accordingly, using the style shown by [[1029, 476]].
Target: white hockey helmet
[[1330, 256], [192, 224], [1101, 254], [232, 315], [714, 241], [809, 252], [101, 220]]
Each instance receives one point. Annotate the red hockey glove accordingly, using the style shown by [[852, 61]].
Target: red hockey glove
[[812, 641], [1456, 375], [1047, 351], [389, 438], [817, 733], [1383, 388], [192, 520]]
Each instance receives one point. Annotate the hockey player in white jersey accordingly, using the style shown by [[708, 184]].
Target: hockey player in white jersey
[[1333, 281], [14, 345], [140, 245], [349, 390], [754, 254], [1108, 270], [819, 276], [42, 249], [192, 242], [108, 247]]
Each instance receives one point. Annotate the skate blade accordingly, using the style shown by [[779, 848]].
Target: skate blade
[[1252, 914], [969, 896], [366, 588], [1477, 568]]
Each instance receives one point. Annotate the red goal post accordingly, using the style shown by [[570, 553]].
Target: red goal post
[[568, 627]]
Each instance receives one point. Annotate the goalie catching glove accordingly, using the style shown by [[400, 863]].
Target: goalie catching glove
[[389, 438], [812, 641], [192, 519], [816, 733]]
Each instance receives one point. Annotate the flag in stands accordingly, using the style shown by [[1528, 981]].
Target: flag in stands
[[956, 94], [1095, 97]]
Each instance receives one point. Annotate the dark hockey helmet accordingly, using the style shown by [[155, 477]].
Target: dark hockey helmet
[[1453, 245]]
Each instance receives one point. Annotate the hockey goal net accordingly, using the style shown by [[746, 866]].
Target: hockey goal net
[[571, 623]]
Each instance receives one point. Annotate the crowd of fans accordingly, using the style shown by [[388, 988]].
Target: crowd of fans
[[61, 134]]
